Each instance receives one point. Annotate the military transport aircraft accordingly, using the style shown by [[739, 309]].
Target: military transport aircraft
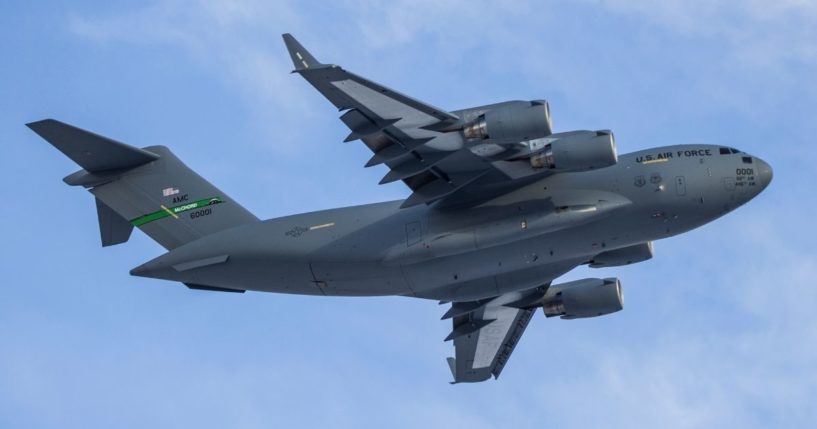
[[500, 206]]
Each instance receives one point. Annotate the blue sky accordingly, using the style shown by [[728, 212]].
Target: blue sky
[[718, 329]]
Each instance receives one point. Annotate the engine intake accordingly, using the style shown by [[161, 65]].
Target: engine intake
[[512, 122], [583, 298], [575, 151]]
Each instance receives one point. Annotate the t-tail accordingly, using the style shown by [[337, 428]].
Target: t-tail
[[148, 188]]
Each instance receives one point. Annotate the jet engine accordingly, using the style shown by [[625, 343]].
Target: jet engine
[[512, 122], [575, 151], [583, 298]]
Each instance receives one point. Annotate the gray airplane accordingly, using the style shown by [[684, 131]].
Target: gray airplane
[[500, 207]]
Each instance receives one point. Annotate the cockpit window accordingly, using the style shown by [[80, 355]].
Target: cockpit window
[[724, 151], [734, 150], [747, 159], [728, 150]]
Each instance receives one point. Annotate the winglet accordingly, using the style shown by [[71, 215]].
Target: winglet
[[452, 365], [301, 58]]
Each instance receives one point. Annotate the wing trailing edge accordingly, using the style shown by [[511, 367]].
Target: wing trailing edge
[[486, 332]]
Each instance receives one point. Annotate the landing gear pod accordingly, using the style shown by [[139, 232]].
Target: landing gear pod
[[624, 256]]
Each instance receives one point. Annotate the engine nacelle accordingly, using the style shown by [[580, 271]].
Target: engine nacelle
[[512, 122], [583, 298], [624, 256], [576, 151]]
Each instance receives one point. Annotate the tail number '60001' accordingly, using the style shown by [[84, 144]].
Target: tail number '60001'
[[200, 213]]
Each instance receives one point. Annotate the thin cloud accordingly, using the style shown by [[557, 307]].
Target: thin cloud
[[237, 41], [719, 328]]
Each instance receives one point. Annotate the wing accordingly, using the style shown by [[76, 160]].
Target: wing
[[486, 332], [407, 135]]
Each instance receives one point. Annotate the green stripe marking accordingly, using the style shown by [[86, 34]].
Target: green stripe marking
[[161, 214]]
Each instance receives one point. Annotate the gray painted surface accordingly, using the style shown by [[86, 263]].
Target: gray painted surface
[[491, 223]]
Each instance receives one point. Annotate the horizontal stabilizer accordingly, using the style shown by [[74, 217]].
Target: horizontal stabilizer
[[91, 151]]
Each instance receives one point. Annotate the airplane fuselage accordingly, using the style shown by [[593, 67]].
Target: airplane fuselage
[[518, 241], [500, 207]]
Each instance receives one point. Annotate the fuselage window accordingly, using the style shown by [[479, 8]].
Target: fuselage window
[[747, 159]]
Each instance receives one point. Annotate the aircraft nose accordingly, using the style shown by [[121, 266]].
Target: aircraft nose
[[764, 171]]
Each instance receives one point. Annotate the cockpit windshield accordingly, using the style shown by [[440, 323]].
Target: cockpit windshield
[[728, 151]]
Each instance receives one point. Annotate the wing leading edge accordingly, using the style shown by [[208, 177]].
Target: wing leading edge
[[407, 135]]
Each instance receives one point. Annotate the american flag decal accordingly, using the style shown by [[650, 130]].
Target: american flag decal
[[169, 191]]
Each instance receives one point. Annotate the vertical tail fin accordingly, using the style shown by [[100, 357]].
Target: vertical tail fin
[[148, 188]]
